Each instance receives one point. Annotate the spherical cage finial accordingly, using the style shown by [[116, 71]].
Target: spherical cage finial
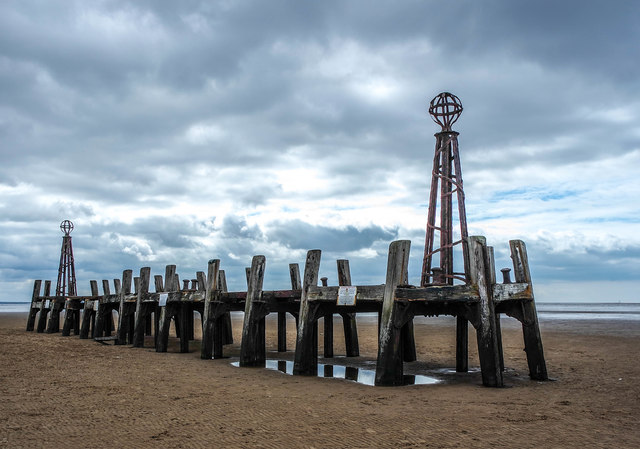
[[445, 109], [66, 226]]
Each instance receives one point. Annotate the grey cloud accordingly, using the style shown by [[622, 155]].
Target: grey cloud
[[301, 235]]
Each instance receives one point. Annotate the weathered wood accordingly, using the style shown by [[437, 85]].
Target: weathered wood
[[124, 309], [530, 327], [252, 346], [71, 308], [159, 285], [488, 351], [211, 295], [88, 315], [491, 262], [306, 355], [227, 330], [389, 369], [143, 311], [348, 319], [44, 310], [168, 311], [328, 328], [294, 273], [57, 306], [33, 310]]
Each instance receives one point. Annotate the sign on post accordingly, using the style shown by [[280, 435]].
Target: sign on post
[[347, 295]]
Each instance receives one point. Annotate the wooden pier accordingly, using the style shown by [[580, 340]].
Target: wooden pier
[[143, 313]]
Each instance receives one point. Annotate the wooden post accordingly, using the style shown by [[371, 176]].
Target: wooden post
[[57, 304], [408, 345], [124, 309], [389, 369], [480, 275], [530, 327], [252, 347], [211, 295], [88, 316], [166, 312], [31, 320], [142, 310], [100, 318], [328, 328], [348, 319], [491, 264], [227, 330], [306, 356], [42, 319]]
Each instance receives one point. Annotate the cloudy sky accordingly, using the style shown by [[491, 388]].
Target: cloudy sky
[[177, 132]]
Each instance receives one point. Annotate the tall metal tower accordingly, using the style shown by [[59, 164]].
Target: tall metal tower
[[446, 180], [66, 271]]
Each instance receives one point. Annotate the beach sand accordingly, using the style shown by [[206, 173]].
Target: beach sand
[[65, 392]]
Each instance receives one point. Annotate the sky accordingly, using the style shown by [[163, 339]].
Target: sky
[[178, 132]]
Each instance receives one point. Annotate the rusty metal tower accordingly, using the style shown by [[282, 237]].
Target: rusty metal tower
[[66, 271], [446, 180]]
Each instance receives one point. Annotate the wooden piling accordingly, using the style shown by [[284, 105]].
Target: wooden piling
[[89, 314], [530, 327], [33, 311], [389, 369], [491, 264], [252, 347], [168, 311], [44, 309], [125, 310], [328, 328], [480, 275], [306, 355], [143, 310], [211, 295], [348, 319]]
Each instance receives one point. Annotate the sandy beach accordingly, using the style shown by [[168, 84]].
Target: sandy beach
[[65, 392]]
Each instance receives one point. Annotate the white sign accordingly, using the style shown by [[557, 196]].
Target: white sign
[[96, 304], [46, 304], [347, 295], [163, 299]]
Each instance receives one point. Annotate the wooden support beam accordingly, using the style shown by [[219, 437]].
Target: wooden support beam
[[211, 295], [227, 330], [88, 315], [348, 319], [33, 311], [530, 327], [306, 356], [44, 310], [491, 263], [252, 347], [488, 350], [143, 310], [328, 328], [124, 309], [167, 312], [389, 369]]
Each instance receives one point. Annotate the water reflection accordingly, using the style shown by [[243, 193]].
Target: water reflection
[[359, 375]]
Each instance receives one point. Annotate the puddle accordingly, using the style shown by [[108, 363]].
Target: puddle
[[359, 375]]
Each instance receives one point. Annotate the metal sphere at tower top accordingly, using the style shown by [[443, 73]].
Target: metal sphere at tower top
[[445, 109], [66, 226]]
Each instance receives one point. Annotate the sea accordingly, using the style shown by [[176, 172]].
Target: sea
[[546, 310]]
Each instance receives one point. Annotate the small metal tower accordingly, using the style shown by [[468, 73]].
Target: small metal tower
[[446, 180], [66, 271]]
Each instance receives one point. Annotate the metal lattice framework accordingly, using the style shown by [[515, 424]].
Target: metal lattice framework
[[66, 271], [446, 180]]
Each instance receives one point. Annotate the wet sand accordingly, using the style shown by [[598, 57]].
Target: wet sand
[[65, 392]]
